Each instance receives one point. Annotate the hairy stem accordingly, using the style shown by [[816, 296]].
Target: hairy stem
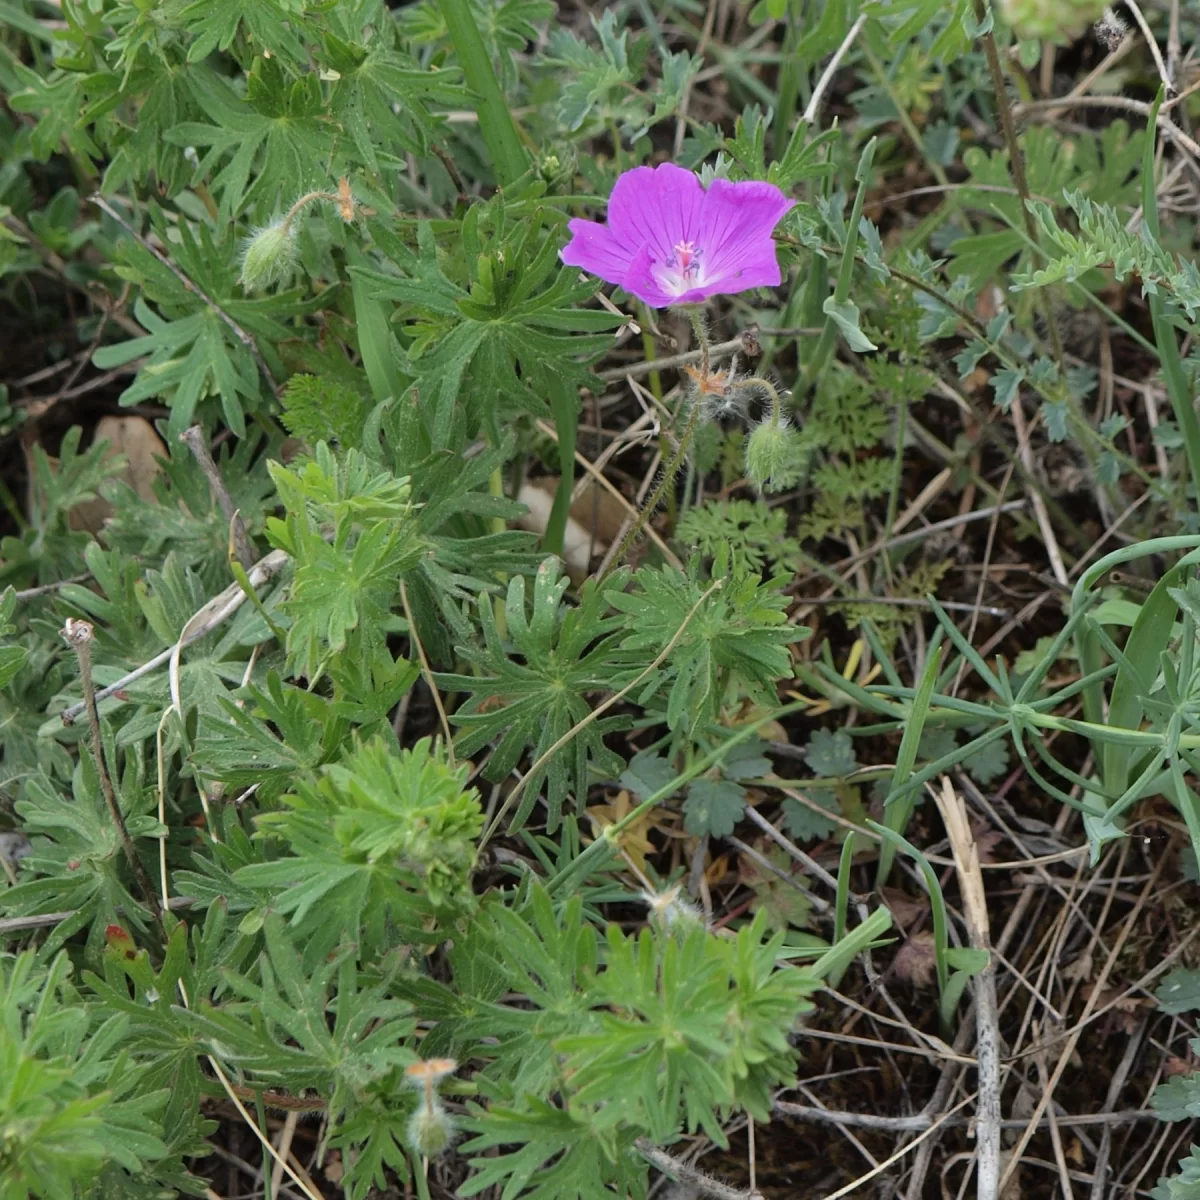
[[676, 459], [1017, 161]]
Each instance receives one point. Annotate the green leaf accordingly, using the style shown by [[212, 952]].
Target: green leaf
[[530, 692], [646, 774], [845, 316], [713, 806], [804, 824], [831, 753], [1179, 992]]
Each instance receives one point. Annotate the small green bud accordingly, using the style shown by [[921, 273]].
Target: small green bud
[[773, 455], [269, 257], [430, 1130], [1056, 20]]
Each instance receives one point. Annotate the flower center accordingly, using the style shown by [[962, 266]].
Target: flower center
[[680, 270], [685, 259]]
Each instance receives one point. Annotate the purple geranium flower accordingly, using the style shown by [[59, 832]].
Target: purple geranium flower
[[669, 241]]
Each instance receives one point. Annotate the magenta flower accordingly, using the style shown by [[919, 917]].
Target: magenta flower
[[669, 241]]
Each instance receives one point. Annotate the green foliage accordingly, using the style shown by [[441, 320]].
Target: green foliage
[[66, 1102], [733, 643], [753, 535], [328, 233], [379, 840]]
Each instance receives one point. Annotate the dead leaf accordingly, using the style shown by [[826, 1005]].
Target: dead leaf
[[916, 960], [986, 843], [1012, 1189], [716, 870], [1079, 969], [634, 840], [1180, 1066], [905, 909], [578, 543], [134, 440]]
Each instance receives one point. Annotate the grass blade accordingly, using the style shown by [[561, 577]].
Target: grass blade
[[495, 121], [898, 809]]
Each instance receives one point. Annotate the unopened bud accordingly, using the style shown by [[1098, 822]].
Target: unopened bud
[[430, 1130], [1055, 20], [773, 455], [269, 257]]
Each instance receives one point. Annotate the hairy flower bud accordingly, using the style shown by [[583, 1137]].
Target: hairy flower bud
[[269, 257], [773, 455], [672, 910], [1057, 20], [430, 1130]]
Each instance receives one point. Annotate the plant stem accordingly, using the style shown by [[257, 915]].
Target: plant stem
[[1017, 161], [495, 121], [676, 459], [193, 438], [78, 635]]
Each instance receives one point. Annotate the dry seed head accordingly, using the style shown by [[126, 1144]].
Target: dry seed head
[[429, 1071], [672, 910], [77, 633]]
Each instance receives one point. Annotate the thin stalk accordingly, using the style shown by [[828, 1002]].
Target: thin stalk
[[841, 291], [676, 459], [78, 635], [1017, 161]]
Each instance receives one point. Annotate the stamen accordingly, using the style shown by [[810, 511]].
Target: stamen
[[687, 258]]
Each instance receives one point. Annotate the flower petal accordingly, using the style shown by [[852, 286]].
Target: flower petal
[[641, 282], [736, 234], [657, 207], [594, 248]]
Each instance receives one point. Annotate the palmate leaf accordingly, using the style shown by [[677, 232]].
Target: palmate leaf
[[733, 646], [193, 353], [215, 23], [372, 84], [279, 133], [562, 1156], [380, 842], [531, 691], [499, 338], [76, 864]]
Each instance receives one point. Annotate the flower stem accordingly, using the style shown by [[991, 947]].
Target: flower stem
[[78, 635], [756, 381], [302, 203], [1017, 161], [676, 459]]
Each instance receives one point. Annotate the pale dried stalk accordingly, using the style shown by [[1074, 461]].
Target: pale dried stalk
[[987, 1024]]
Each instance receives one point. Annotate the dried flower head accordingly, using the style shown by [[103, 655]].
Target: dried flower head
[[429, 1071], [1110, 30], [672, 910], [346, 205], [269, 257], [670, 241]]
